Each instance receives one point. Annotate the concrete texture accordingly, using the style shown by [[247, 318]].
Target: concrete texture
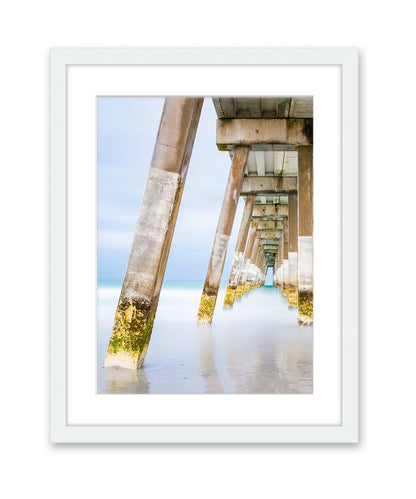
[[269, 185], [305, 240], [283, 131], [225, 223], [139, 295], [238, 257]]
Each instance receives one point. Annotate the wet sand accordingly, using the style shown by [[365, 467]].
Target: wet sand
[[256, 347]]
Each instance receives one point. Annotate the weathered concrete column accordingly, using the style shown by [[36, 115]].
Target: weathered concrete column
[[305, 240], [247, 257], [222, 236], [256, 272], [251, 269], [139, 295], [285, 263], [293, 252], [265, 269], [239, 252], [279, 263], [254, 267], [275, 268], [261, 276]]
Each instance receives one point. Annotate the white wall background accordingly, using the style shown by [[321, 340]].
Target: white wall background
[[382, 465]]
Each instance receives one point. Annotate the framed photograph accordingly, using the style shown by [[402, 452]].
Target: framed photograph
[[204, 245]]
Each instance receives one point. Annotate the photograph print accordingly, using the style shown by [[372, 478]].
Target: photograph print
[[205, 245]]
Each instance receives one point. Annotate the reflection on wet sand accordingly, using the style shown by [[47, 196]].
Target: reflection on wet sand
[[269, 365], [207, 362], [255, 348], [119, 380]]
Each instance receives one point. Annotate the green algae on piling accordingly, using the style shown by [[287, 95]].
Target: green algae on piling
[[206, 309], [305, 308], [292, 298], [131, 332], [229, 297]]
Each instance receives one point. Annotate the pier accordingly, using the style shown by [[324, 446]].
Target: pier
[[270, 144]]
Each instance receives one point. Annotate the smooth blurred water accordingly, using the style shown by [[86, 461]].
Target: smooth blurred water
[[256, 347]]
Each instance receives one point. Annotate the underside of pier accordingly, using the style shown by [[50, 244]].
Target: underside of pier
[[276, 230], [270, 144]]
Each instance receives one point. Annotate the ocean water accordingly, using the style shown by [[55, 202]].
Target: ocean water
[[256, 347]]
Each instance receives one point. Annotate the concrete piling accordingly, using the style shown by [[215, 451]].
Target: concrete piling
[[251, 269], [260, 269], [247, 258], [265, 269], [275, 269], [256, 269], [293, 252], [283, 192], [143, 279], [285, 263], [305, 238], [276, 228], [279, 263], [222, 236], [239, 252]]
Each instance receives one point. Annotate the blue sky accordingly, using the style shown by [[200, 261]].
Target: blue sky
[[127, 130]]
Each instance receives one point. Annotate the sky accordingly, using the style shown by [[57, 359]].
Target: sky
[[126, 133]]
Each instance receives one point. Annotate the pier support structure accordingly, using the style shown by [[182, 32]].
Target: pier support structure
[[285, 256], [275, 269], [255, 268], [280, 139], [239, 252], [247, 258], [251, 269], [305, 238], [222, 236], [143, 279], [261, 270], [279, 260], [293, 251]]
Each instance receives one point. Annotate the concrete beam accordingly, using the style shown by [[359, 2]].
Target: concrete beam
[[269, 210], [270, 219], [269, 234], [272, 199], [261, 132], [269, 185], [270, 225], [274, 242]]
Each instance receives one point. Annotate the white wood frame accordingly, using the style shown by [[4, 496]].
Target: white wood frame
[[347, 432]]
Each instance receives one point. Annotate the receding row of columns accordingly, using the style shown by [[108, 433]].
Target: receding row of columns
[[293, 269], [293, 263], [222, 236], [139, 296], [238, 257]]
